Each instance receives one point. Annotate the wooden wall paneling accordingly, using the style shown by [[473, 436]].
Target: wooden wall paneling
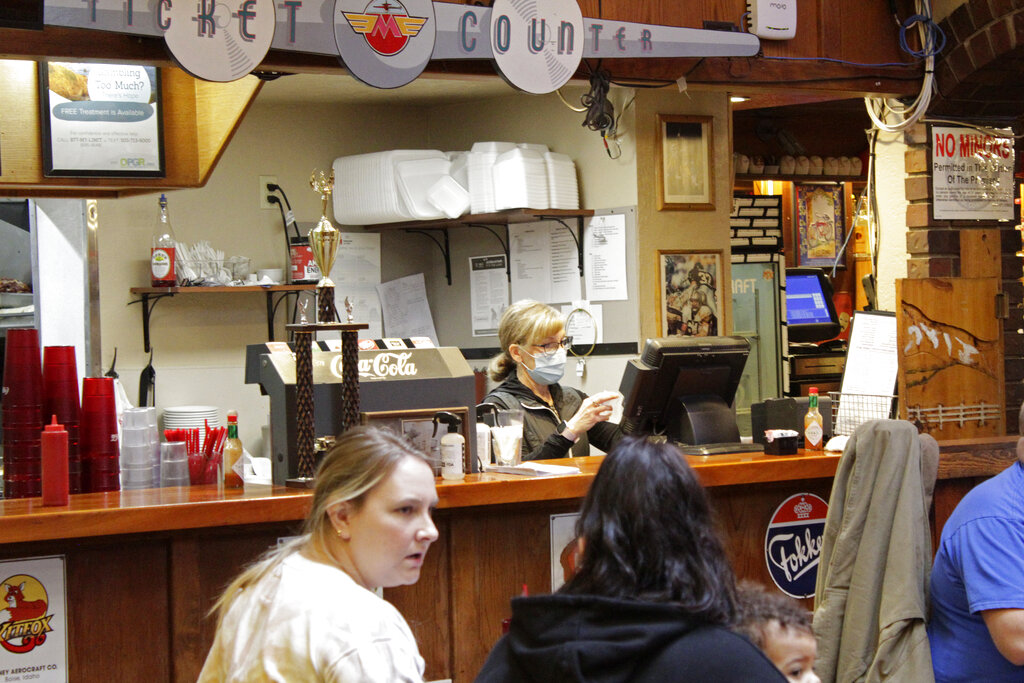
[[951, 353], [980, 253], [181, 134], [220, 108], [742, 514], [494, 552], [426, 605], [118, 611], [202, 563], [20, 155], [948, 494]]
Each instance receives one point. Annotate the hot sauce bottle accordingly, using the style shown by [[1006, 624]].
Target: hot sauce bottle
[[232, 454], [814, 430]]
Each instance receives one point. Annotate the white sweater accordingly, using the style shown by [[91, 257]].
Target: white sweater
[[308, 621]]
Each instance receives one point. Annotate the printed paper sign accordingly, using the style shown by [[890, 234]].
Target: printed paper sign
[[33, 622]]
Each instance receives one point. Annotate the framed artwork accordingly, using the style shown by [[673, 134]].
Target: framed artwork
[[685, 171], [102, 120], [820, 224], [690, 293], [417, 426]]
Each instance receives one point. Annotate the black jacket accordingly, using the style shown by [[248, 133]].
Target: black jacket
[[583, 638], [542, 425]]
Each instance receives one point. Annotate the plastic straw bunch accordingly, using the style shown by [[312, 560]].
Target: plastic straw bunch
[[204, 456]]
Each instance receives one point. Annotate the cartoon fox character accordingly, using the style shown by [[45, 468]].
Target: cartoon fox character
[[19, 608]]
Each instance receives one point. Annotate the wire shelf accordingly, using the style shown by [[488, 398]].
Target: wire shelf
[[849, 411]]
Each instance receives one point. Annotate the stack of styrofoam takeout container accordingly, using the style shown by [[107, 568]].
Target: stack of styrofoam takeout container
[[403, 185]]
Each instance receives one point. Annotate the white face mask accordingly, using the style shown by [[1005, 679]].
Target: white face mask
[[548, 368]]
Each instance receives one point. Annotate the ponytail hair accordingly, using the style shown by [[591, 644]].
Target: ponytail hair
[[523, 323], [359, 461]]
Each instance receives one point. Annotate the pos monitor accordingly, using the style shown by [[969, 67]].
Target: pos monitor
[[683, 388], [810, 313]]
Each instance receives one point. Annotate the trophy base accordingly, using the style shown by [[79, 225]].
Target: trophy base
[[300, 483]]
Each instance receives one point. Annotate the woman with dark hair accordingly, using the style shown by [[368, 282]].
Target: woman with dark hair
[[654, 594]]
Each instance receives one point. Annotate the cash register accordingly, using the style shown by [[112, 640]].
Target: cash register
[[682, 388], [816, 357]]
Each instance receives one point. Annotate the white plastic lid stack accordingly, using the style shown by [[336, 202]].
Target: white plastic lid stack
[[366, 186], [481, 181], [415, 178], [459, 170], [563, 191], [520, 180], [533, 147], [482, 156]]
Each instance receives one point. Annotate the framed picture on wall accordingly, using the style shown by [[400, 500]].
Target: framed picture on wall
[[690, 293], [685, 171], [101, 120], [820, 224]]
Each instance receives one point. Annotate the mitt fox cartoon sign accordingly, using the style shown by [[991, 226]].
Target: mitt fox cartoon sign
[[33, 620]]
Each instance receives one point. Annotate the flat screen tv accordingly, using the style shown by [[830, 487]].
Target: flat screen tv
[[810, 314], [683, 388], [21, 14]]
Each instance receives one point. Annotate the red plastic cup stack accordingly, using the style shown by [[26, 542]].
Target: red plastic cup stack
[[98, 436], [22, 407], [60, 398]]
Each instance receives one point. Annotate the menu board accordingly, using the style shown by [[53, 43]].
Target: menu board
[[101, 120], [870, 374]]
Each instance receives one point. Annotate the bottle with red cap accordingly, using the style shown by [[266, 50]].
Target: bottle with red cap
[[814, 426], [54, 449]]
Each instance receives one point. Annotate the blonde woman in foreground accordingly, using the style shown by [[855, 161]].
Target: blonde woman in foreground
[[307, 611]]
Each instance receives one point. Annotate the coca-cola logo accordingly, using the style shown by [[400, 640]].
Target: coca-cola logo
[[381, 366]]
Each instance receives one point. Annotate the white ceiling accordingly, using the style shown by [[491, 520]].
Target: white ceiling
[[326, 89]]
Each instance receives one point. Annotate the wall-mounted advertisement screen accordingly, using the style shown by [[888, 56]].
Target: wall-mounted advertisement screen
[[21, 14], [101, 120]]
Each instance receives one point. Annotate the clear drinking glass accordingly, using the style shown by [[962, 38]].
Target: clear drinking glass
[[507, 436]]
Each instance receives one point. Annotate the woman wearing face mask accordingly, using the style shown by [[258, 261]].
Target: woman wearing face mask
[[558, 422]]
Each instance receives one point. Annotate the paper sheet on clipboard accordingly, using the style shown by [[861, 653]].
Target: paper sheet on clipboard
[[871, 371]]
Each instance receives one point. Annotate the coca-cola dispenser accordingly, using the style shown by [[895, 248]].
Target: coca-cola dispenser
[[418, 380]]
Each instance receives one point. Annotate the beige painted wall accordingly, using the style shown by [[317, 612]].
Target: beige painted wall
[[686, 230], [199, 340]]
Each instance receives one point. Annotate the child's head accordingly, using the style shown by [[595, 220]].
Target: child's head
[[781, 627]]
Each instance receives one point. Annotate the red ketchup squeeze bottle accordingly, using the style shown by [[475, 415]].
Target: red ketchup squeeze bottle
[[54, 449]]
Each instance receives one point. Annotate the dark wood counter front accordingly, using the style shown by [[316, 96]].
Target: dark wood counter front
[[158, 558]]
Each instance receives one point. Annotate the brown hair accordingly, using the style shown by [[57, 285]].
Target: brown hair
[[759, 606], [359, 461], [522, 323]]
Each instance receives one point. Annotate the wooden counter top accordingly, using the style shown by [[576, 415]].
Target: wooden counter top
[[192, 507]]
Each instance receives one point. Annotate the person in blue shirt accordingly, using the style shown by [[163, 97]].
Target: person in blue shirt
[[976, 629]]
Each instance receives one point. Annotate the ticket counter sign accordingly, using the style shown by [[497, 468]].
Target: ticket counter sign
[[33, 621], [792, 544]]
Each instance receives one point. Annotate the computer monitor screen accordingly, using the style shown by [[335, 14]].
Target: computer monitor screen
[[810, 313], [21, 14], [683, 388]]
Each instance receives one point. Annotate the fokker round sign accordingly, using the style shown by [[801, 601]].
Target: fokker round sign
[[792, 544]]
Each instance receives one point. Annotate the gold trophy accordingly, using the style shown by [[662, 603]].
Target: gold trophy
[[324, 241]]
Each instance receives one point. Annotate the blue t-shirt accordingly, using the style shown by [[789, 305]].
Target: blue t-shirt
[[979, 566]]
